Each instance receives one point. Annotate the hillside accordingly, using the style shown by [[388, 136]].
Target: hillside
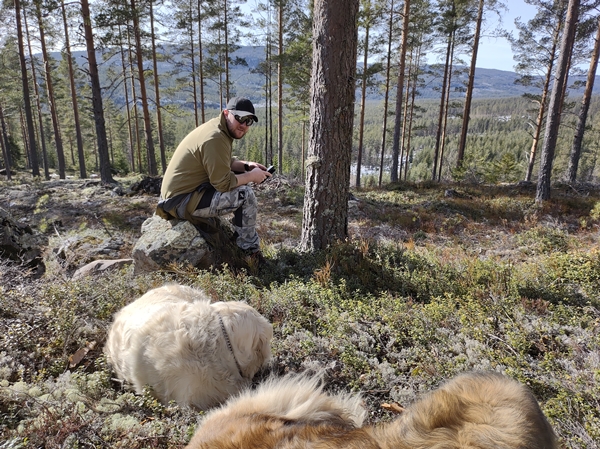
[[489, 83], [434, 280]]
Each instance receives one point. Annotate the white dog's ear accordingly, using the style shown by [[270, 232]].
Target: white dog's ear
[[251, 336]]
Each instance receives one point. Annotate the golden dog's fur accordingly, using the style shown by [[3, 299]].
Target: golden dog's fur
[[171, 339], [475, 410]]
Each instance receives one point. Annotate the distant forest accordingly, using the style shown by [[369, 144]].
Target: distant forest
[[112, 87]]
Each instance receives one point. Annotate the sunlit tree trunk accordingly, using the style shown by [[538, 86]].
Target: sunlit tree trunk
[[150, 155], [399, 92], [553, 121], [363, 94], [583, 113], [30, 134], [127, 108], [386, 92], [74, 102], [40, 116], [60, 155], [470, 84], [325, 216], [438, 135], [102, 143], [161, 139], [280, 26], [201, 63]]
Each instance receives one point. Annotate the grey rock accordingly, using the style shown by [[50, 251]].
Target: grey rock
[[164, 242]]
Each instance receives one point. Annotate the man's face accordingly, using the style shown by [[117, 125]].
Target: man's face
[[236, 129]]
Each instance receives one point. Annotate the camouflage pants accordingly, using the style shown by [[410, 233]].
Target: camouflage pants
[[240, 201]]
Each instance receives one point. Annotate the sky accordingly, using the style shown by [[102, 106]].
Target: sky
[[495, 53]]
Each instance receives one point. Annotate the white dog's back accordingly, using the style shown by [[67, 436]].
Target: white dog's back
[[172, 338]]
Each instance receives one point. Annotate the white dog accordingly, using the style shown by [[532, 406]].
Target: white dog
[[186, 349], [480, 410]]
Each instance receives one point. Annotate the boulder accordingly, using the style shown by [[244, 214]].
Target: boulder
[[19, 243], [170, 241]]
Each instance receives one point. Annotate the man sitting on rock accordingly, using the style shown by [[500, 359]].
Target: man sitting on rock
[[203, 180]]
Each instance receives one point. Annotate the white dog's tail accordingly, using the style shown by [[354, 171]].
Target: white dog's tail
[[475, 410]]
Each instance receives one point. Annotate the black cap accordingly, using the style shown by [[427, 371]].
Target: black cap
[[241, 106]]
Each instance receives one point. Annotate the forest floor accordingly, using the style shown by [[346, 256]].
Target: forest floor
[[433, 280]]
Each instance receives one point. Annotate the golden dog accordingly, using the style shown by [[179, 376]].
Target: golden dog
[[482, 410], [187, 349]]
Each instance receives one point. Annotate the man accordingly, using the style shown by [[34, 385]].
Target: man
[[203, 180]]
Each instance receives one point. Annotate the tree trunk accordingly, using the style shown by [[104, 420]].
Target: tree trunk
[[413, 97], [201, 63], [127, 108], [585, 106], [470, 84], [363, 99], [102, 144], [136, 121], [399, 92], [40, 116], [553, 121], [280, 91], [226, 36], [74, 102], [438, 135], [539, 122], [5, 145], [161, 139], [325, 216], [151, 157], [60, 154], [390, 31], [405, 119], [193, 63], [446, 107], [30, 135]]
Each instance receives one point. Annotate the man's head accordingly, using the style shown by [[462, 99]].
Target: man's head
[[240, 116]]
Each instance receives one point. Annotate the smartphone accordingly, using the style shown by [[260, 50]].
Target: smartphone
[[271, 169]]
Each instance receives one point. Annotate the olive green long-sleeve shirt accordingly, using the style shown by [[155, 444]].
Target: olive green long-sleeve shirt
[[204, 155]]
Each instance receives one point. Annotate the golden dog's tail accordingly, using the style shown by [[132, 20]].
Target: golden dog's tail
[[476, 410]]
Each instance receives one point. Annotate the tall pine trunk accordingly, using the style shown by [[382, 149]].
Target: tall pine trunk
[[386, 94], [73, 91], [102, 143], [201, 64], [363, 100], [60, 154], [539, 122], [325, 216], [40, 115], [399, 92], [150, 155], [161, 138], [30, 134], [280, 89], [127, 108], [583, 113], [470, 84], [438, 135], [553, 121], [5, 145]]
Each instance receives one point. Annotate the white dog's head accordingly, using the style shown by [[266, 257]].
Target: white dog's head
[[250, 334]]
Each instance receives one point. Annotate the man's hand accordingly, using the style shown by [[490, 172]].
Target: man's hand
[[256, 175]]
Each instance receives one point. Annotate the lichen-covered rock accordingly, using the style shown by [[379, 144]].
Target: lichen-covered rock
[[19, 243], [164, 242]]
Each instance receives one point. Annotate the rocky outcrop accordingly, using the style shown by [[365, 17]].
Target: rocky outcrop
[[19, 244]]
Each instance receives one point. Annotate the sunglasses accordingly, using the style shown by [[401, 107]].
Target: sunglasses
[[246, 120]]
